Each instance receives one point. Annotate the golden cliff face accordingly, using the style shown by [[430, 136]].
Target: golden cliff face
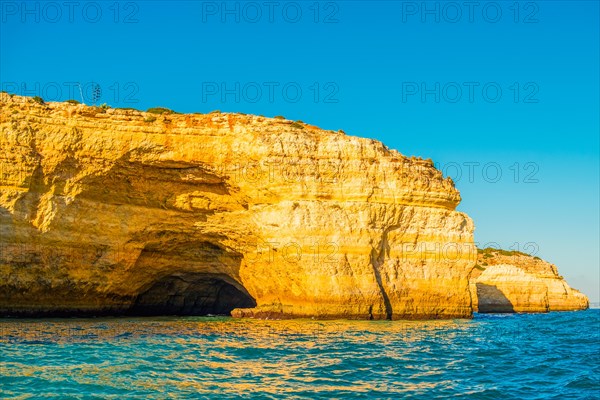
[[116, 211], [506, 281]]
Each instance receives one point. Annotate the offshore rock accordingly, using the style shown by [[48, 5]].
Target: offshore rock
[[110, 211], [511, 281]]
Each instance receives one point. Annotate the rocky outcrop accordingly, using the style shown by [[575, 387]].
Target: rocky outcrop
[[511, 281], [108, 211]]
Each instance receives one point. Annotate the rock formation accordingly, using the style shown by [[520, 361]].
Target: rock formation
[[511, 281], [113, 211], [109, 211]]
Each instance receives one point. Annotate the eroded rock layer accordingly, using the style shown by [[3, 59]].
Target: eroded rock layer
[[510, 281], [109, 211]]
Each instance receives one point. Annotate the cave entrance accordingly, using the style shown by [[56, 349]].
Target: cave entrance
[[192, 294]]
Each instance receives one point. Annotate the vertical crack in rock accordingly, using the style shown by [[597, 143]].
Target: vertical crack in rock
[[377, 260]]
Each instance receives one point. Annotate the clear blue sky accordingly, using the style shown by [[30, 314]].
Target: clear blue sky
[[488, 89]]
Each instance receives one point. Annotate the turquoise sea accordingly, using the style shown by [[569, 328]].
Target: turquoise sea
[[493, 356]]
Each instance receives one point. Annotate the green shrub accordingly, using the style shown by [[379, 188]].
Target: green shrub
[[150, 119], [512, 253], [39, 100], [490, 252], [160, 110], [479, 267], [215, 112], [102, 108], [487, 250], [297, 125], [279, 117], [72, 102]]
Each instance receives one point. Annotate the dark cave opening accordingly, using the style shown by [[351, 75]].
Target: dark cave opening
[[192, 294]]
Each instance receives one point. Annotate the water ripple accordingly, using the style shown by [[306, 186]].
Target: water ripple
[[517, 356]]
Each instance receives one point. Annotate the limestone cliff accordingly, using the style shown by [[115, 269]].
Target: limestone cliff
[[122, 211], [510, 281]]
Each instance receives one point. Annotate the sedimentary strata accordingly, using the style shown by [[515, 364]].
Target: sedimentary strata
[[511, 281], [121, 211]]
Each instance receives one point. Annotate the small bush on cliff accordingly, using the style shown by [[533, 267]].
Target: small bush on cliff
[[297, 125], [491, 252], [150, 119], [101, 108], [72, 101], [512, 253], [39, 100], [160, 110], [279, 117], [487, 250]]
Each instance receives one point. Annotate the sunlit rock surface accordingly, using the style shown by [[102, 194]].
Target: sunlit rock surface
[[510, 281], [120, 211]]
